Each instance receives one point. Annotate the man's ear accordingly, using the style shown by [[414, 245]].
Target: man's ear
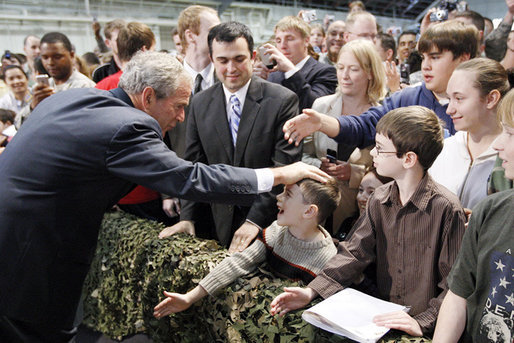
[[389, 54], [190, 36], [148, 98], [464, 57], [492, 99], [311, 212], [409, 159]]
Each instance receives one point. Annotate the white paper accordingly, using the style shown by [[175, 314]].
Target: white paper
[[350, 313]]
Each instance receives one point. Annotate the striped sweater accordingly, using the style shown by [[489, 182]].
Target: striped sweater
[[287, 256]]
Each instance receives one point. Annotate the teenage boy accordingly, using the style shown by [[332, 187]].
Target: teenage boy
[[480, 300], [444, 46], [295, 246], [411, 229]]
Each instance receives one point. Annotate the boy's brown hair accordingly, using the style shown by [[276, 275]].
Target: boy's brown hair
[[416, 129], [132, 38], [325, 196], [453, 36], [116, 24]]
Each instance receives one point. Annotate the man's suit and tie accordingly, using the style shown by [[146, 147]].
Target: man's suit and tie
[[260, 143], [312, 81]]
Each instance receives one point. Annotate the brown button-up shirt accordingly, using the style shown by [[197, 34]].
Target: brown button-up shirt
[[414, 247]]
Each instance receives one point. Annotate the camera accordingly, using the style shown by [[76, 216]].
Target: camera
[[266, 59], [331, 155], [7, 54], [404, 73], [309, 16], [442, 10]]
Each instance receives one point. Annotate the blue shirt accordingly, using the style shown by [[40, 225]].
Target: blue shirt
[[360, 130]]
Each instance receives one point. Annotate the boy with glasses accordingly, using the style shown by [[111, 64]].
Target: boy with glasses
[[411, 229]]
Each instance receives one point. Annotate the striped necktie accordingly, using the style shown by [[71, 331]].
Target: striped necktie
[[235, 116]]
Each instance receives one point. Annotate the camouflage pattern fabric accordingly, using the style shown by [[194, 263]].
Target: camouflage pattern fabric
[[133, 266]]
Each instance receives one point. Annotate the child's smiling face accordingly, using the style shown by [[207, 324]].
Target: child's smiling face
[[291, 206]]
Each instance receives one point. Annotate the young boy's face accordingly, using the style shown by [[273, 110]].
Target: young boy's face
[[384, 157], [291, 206], [437, 67], [368, 184]]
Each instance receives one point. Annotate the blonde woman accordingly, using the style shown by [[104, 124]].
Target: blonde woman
[[361, 85]]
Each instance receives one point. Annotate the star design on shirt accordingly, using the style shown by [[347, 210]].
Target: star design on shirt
[[499, 265], [504, 282], [493, 293], [510, 299]]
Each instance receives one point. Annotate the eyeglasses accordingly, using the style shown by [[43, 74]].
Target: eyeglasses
[[384, 152]]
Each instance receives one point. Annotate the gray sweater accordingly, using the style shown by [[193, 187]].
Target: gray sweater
[[287, 256]]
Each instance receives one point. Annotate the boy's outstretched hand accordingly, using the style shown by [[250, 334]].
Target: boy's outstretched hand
[[293, 298], [174, 302], [399, 320]]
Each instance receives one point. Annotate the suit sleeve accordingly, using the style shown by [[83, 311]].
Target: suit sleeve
[[137, 153], [264, 209], [323, 83], [194, 152]]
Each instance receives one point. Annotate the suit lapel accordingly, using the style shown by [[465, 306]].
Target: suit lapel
[[307, 68], [220, 121], [250, 111]]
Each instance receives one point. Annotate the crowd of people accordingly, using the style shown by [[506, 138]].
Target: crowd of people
[[395, 150]]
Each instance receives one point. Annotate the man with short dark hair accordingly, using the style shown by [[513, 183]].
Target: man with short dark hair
[[57, 57], [334, 42], [406, 44], [237, 122], [386, 47]]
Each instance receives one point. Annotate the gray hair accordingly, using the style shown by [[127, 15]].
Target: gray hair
[[158, 70]]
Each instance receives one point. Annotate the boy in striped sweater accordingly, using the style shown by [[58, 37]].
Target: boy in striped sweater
[[295, 245]]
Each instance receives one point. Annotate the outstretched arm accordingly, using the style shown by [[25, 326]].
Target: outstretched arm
[[176, 302], [307, 123]]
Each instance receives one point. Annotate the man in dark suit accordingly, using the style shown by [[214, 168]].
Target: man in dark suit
[[93, 146], [295, 69], [252, 137]]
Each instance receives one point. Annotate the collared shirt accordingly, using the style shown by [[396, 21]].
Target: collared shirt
[[9, 102], [413, 245], [207, 74], [241, 96], [296, 67], [76, 80]]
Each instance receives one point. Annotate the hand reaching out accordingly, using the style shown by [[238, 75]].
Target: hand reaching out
[[293, 298], [399, 320]]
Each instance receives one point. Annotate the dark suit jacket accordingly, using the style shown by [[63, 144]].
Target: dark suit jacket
[[260, 143], [313, 81], [92, 147]]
